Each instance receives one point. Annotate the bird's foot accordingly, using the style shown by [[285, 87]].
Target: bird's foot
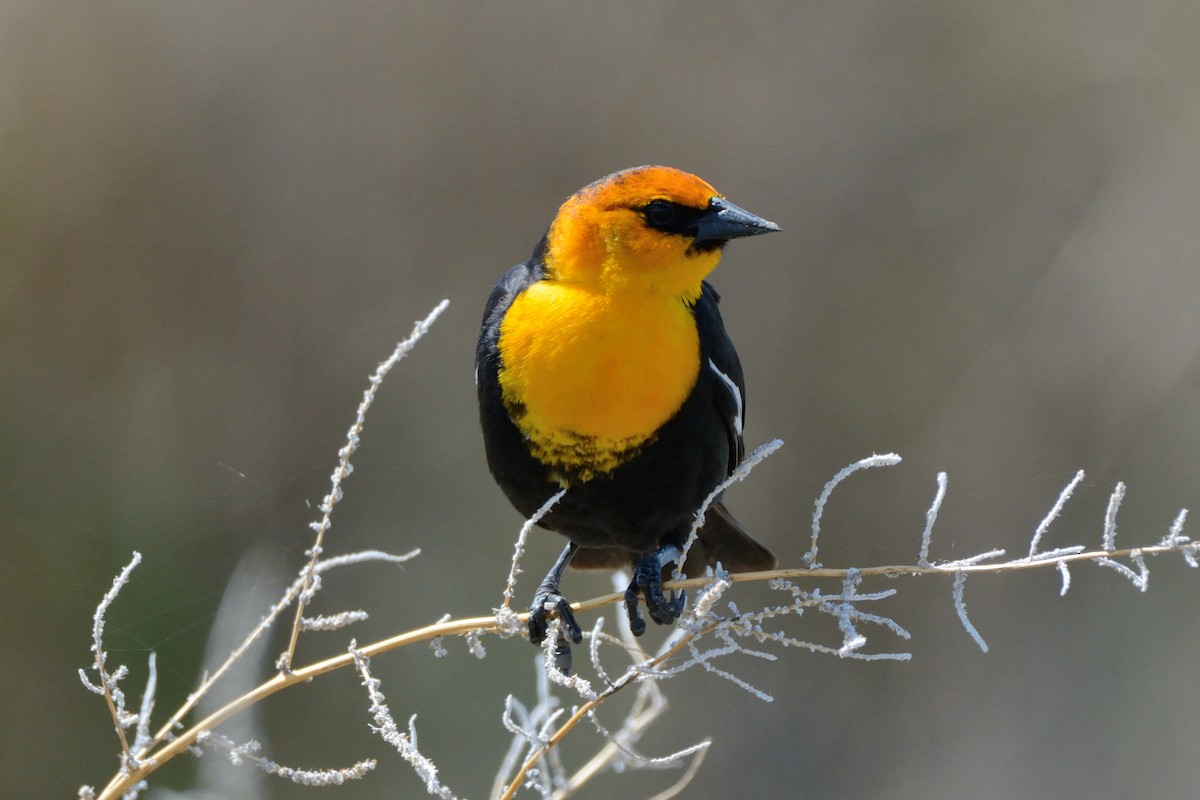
[[647, 581], [545, 600], [548, 600]]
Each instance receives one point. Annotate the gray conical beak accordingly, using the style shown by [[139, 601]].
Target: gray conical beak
[[724, 221]]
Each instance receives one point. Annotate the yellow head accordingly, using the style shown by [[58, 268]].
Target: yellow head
[[646, 229], [599, 354]]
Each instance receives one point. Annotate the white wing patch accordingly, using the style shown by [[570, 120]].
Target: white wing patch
[[733, 390]]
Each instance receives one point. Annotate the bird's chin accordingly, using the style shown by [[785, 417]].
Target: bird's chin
[[706, 247]]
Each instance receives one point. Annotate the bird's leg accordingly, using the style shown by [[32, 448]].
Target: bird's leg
[[647, 580], [547, 595]]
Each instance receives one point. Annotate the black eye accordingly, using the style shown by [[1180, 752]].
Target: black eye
[[668, 217], [660, 213]]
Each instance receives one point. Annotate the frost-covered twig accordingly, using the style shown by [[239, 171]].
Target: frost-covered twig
[[886, 460], [1066, 578], [530, 728], [333, 622], [960, 606], [930, 519], [264, 624], [343, 470], [532, 733], [385, 726], [1110, 517], [575, 682], [844, 608], [108, 685], [740, 473], [142, 735], [1055, 510], [1140, 579], [581, 713], [704, 637], [143, 758], [519, 552], [361, 557], [249, 752]]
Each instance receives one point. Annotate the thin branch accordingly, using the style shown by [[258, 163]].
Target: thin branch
[[584, 710], [248, 752], [519, 549], [108, 682], [1057, 508], [343, 470], [1110, 517], [261, 628], [142, 733], [930, 519], [488, 624], [740, 473], [886, 460], [1066, 578], [960, 605], [385, 726], [333, 622], [674, 789]]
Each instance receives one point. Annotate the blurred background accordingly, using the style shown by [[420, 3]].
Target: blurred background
[[216, 218]]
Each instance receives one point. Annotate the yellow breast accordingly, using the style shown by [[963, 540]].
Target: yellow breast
[[590, 376]]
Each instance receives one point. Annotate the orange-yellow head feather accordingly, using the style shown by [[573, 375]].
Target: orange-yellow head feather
[[603, 237], [604, 350]]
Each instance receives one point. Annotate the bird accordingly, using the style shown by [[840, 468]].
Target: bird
[[603, 368]]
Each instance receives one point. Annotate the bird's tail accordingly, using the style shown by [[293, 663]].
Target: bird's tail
[[723, 539]]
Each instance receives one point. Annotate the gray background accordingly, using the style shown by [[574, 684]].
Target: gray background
[[216, 218]]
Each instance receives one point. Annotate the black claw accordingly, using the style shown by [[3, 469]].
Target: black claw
[[636, 623], [548, 595], [538, 624], [662, 610], [647, 581], [562, 656]]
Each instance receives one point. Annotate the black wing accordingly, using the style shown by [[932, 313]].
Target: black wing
[[721, 359], [511, 284], [722, 538]]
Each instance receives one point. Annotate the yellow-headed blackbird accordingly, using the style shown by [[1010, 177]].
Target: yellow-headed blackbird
[[603, 367]]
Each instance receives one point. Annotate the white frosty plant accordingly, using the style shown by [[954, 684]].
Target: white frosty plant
[[710, 636]]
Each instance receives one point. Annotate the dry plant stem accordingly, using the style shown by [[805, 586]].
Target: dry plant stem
[[343, 470], [604, 758], [122, 783], [581, 713], [889, 571], [112, 709], [299, 591], [213, 677], [107, 680], [684, 780], [315, 554]]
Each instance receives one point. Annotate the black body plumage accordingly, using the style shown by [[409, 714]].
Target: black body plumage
[[651, 500], [631, 497]]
